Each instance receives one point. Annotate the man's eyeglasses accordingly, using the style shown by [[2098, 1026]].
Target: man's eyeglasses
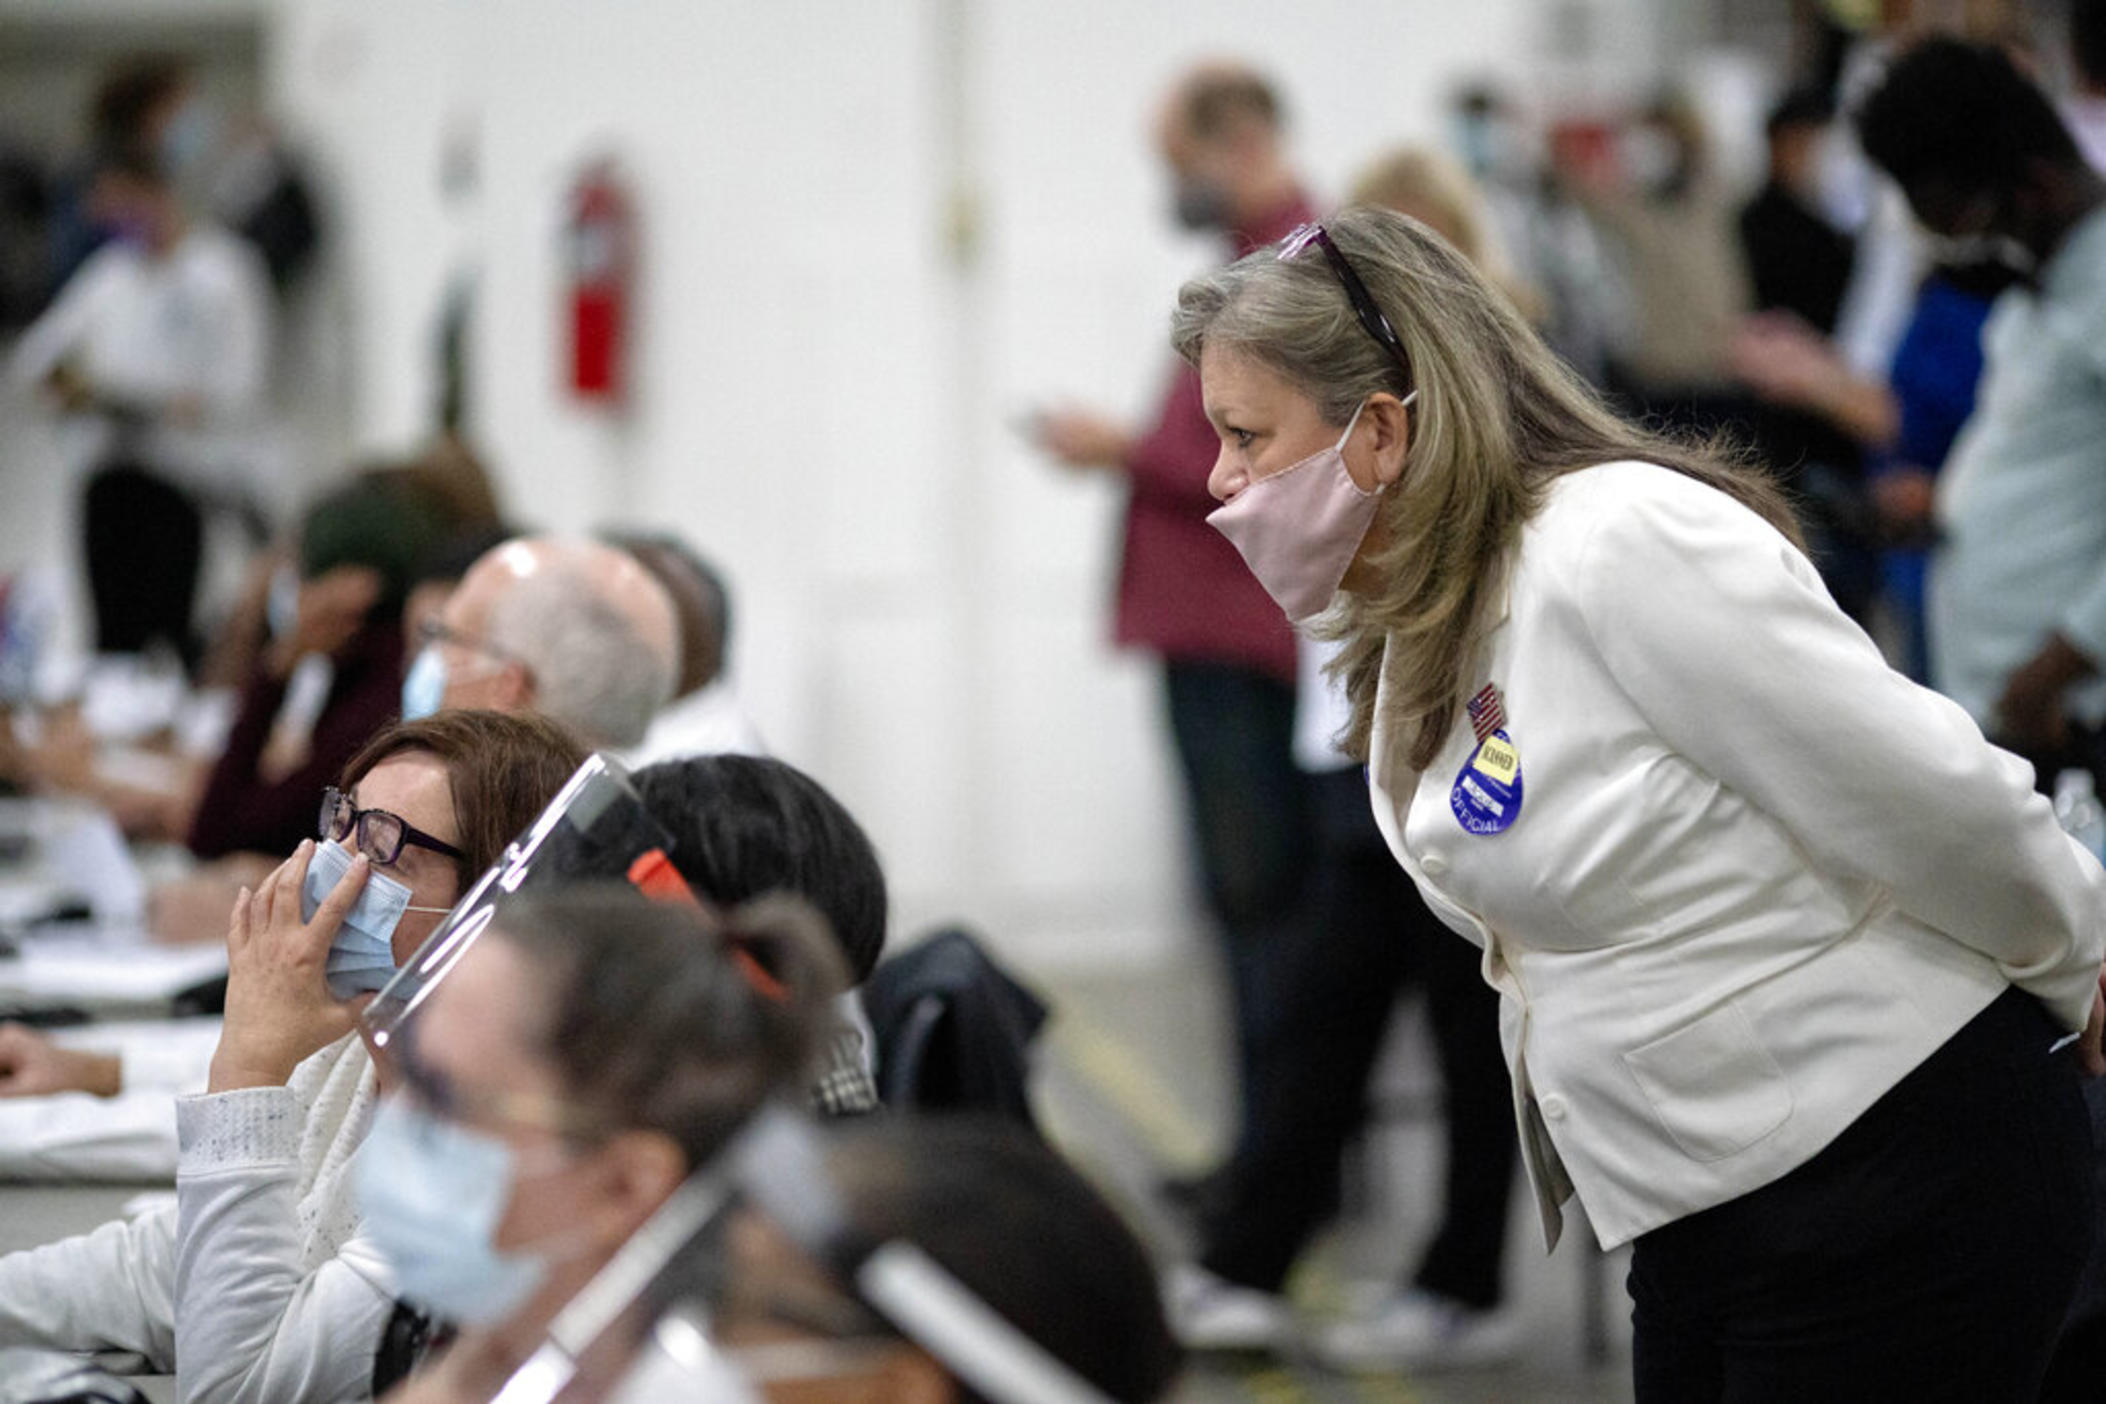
[[1364, 305], [442, 1097], [381, 835], [431, 631]]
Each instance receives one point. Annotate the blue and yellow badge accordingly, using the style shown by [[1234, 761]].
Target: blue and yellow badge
[[1487, 794]]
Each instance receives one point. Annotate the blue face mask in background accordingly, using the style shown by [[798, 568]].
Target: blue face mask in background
[[424, 687], [362, 957], [432, 1194]]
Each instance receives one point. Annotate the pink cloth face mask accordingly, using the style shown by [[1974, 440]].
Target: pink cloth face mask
[[1299, 529]]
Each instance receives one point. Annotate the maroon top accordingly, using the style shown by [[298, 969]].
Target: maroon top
[[241, 811], [1183, 591]]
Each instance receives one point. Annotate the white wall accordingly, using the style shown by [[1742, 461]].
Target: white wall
[[826, 367]]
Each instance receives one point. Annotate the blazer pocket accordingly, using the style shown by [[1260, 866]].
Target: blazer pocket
[[1713, 1085]]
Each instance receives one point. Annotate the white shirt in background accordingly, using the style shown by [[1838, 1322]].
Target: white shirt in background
[[191, 324], [707, 722]]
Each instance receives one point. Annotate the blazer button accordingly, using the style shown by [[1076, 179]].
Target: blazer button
[[1433, 864], [1554, 1107]]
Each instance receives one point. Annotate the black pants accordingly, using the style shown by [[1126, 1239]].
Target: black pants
[[1234, 731], [1338, 973], [2077, 1374], [1928, 1253], [145, 543]]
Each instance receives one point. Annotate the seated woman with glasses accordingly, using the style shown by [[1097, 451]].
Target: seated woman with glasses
[[569, 1065], [258, 1285]]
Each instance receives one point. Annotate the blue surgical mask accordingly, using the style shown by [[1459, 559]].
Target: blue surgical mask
[[424, 688], [362, 957], [432, 1194]]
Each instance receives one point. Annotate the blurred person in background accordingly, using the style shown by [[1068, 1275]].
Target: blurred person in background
[[1662, 207], [1559, 258], [1364, 938], [1905, 425], [576, 630], [1789, 956], [557, 1083], [155, 352], [704, 717], [436, 488], [2018, 583], [2018, 589], [1801, 265], [1798, 260], [257, 1284], [359, 545], [1227, 654]]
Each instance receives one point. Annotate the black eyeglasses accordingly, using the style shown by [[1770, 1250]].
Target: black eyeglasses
[[1364, 305], [381, 835]]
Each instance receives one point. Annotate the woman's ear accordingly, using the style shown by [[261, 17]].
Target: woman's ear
[[515, 688], [1391, 420]]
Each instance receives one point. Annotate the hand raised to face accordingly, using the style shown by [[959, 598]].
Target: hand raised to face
[[279, 1009]]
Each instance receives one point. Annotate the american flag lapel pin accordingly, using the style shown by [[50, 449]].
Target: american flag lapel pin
[[1487, 712]]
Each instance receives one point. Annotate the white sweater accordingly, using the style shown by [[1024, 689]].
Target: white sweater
[[254, 1289]]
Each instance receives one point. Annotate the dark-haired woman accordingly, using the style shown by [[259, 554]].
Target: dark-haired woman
[[257, 1286]]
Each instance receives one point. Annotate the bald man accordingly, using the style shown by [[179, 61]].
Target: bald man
[[573, 629]]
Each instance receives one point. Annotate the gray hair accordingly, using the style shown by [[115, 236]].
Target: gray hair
[[593, 671], [1498, 416]]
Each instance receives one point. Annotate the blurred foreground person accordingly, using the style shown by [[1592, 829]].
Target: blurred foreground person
[[1788, 954], [573, 629], [922, 1260], [259, 1284], [556, 1080]]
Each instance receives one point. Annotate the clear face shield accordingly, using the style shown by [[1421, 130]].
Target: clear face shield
[[595, 828], [653, 1312]]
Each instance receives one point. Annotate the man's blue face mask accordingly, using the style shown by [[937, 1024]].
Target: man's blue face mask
[[424, 687]]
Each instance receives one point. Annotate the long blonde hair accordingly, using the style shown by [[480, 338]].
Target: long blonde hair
[[1435, 190], [1498, 417]]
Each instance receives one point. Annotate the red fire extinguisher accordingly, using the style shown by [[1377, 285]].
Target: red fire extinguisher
[[600, 256]]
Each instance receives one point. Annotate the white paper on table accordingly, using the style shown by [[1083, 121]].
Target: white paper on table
[[66, 972], [86, 854]]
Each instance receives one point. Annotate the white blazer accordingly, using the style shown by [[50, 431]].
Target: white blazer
[[1733, 877]]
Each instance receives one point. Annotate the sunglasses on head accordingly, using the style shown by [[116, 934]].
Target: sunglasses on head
[[1364, 306]]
